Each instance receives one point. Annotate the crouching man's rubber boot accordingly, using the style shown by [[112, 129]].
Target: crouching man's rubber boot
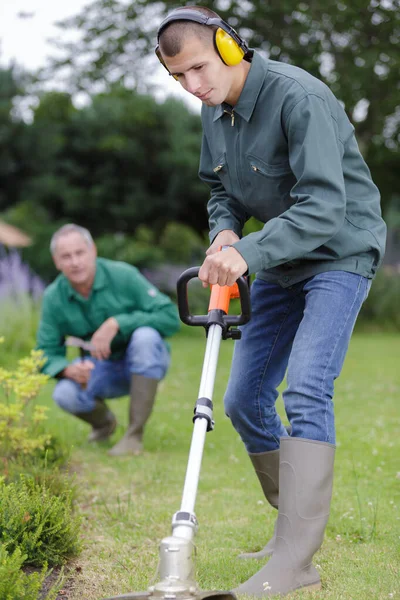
[[266, 466], [305, 486], [101, 419], [142, 393]]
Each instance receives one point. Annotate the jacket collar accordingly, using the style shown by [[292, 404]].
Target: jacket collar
[[250, 92]]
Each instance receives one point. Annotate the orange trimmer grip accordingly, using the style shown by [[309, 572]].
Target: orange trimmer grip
[[235, 291], [220, 298], [222, 295]]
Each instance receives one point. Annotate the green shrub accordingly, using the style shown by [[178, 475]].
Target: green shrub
[[182, 245], [21, 432], [139, 249], [177, 244], [56, 479], [56, 453], [42, 525], [15, 584], [25, 447]]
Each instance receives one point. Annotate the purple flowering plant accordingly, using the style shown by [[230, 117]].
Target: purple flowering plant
[[20, 294], [17, 278]]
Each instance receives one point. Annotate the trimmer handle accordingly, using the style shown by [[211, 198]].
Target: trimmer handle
[[204, 320]]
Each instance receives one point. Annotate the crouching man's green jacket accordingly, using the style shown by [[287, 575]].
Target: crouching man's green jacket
[[119, 291], [287, 155]]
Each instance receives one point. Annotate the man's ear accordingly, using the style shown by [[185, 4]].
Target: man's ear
[[55, 260]]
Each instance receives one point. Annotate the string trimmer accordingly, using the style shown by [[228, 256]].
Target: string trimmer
[[176, 565]]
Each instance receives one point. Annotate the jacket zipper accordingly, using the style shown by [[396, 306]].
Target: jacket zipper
[[232, 116]]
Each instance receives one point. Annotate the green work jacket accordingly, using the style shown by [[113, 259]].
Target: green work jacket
[[119, 291], [286, 154]]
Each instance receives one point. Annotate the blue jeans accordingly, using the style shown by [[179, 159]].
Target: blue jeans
[[304, 329], [146, 354]]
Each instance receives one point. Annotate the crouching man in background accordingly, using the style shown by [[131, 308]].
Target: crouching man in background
[[125, 320]]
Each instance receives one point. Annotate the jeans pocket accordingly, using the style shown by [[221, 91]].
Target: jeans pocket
[[367, 288]]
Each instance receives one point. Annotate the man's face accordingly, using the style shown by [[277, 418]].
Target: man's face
[[75, 258], [201, 72]]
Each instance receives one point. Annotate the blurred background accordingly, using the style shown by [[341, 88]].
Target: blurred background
[[93, 131]]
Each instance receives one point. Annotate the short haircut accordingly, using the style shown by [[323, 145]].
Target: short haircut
[[65, 230], [173, 37]]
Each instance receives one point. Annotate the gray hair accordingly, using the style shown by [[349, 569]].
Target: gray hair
[[70, 228]]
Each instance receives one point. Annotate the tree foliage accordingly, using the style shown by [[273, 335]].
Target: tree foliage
[[121, 162], [13, 164], [351, 45]]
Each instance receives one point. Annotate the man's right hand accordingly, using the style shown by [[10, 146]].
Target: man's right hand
[[224, 238], [79, 372]]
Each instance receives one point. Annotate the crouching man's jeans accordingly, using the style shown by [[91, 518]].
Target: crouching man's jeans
[[305, 329], [146, 355]]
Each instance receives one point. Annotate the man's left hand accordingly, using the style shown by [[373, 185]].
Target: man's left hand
[[102, 338], [222, 267]]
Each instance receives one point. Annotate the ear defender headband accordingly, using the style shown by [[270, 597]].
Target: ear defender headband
[[230, 47]]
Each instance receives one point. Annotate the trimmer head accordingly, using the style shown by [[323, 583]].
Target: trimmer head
[[215, 595], [176, 572]]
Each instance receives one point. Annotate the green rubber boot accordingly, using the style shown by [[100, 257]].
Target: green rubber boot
[[142, 393], [266, 466], [101, 419], [305, 484]]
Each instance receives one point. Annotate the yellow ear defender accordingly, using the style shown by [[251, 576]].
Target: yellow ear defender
[[230, 47]]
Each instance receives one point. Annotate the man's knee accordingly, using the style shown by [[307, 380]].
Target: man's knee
[[65, 395], [68, 396], [144, 337], [235, 403], [147, 353]]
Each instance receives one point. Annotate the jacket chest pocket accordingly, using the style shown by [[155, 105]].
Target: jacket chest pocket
[[220, 168], [268, 187]]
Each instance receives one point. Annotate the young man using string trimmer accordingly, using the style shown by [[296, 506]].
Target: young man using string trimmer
[[277, 145]]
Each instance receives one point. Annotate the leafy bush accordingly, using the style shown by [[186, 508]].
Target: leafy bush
[[40, 524], [20, 432], [15, 584], [182, 245], [177, 244], [24, 445], [139, 250], [52, 476]]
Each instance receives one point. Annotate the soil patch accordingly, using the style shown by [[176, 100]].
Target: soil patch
[[65, 592]]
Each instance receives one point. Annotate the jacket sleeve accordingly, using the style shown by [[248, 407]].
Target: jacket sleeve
[[318, 211], [224, 212], [50, 340], [152, 308]]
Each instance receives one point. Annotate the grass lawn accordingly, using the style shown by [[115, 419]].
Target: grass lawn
[[127, 503]]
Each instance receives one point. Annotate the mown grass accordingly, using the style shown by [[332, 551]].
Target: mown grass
[[127, 503]]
